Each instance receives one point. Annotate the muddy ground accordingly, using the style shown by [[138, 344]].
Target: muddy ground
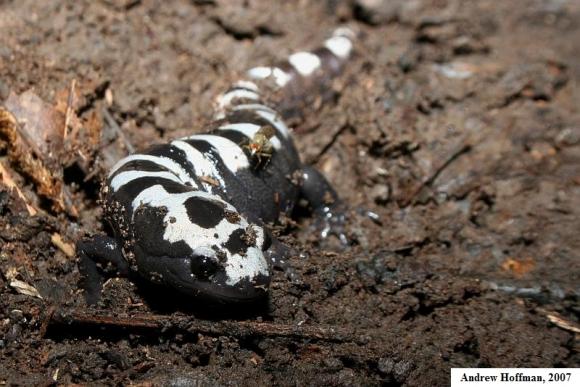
[[457, 122]]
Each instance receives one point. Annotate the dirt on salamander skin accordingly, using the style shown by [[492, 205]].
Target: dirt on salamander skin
[[457, 122]]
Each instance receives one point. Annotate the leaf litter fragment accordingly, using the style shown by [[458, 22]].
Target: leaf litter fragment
[[20, 286], [42, 139]]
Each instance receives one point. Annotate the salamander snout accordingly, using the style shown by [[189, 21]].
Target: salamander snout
[[237, 279]]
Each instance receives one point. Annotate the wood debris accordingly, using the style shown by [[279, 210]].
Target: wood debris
[[67, 248], [6, 179], [42, 139]]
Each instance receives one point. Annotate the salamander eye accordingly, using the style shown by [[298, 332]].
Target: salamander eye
[[203, 267]]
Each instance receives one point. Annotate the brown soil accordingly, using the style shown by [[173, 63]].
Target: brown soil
[[458, 124]]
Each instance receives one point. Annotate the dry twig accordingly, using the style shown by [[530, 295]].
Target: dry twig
[[117, 129], [212, 328], [428, 181], [69, 108], [558, 320]]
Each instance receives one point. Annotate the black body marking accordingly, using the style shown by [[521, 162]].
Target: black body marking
[[204, 212]]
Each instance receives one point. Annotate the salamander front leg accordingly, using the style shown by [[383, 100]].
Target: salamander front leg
[[96, 255], [278, 256], [325, 203]]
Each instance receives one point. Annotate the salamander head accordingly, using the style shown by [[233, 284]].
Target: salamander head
[[200, 245]]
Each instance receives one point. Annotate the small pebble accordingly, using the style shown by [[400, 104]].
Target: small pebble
[[381, 193]]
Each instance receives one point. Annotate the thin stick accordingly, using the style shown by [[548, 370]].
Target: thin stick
[[560, 321], [464, 148], [69, 108], [213, 328], [115, 126]]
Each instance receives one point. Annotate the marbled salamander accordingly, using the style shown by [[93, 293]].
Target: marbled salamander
[[190, 214]]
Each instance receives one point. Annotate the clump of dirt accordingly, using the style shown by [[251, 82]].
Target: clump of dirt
[[457, 125]]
